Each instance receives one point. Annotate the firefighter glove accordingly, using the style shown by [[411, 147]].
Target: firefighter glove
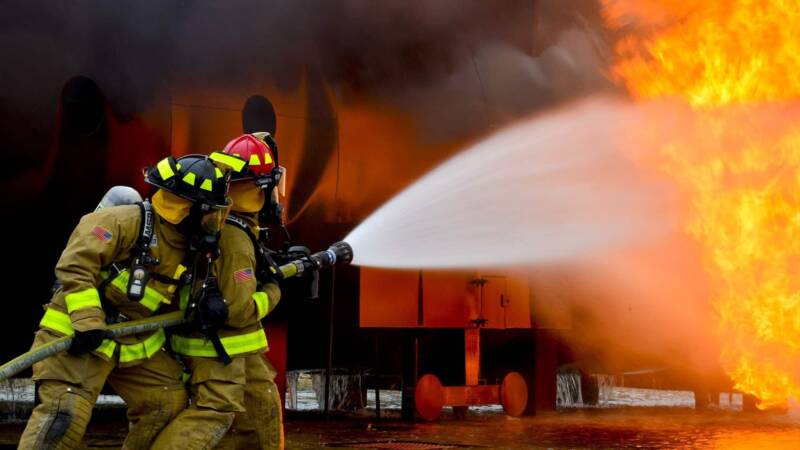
[[86, 341], [212, 311]]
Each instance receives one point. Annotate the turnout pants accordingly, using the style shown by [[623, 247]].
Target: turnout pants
[[261, 425], [69, 386], [218, 393]]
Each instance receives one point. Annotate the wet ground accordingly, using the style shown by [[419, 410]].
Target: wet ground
[[574, 429], [625, 418]]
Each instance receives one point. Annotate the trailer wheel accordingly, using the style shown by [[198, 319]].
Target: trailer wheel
[[429, 397], [514, 394]]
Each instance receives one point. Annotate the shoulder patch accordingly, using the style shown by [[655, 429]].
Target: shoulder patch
[[244, 275], [101, 233]]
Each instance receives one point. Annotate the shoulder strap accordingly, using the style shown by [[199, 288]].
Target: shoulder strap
[[241, 224], [238, 221], [146, 226]]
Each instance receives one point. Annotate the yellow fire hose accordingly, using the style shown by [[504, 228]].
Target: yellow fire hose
[[28, 359], [340, 252]]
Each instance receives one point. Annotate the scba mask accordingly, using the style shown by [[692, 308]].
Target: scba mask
[[212, 220], [203, 226]]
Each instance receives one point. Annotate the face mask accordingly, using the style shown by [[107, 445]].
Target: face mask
[[170, 207], [212, 221]]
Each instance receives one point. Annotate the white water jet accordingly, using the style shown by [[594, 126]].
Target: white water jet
[[549, 188]]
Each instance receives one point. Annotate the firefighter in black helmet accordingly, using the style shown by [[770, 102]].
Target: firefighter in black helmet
[[235, 393], [124, 263]]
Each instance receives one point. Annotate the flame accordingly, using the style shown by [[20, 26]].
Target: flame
[[735, 153]]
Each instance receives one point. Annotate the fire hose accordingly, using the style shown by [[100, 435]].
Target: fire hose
[[338, 253]]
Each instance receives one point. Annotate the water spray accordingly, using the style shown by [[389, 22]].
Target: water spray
[[548, 189]]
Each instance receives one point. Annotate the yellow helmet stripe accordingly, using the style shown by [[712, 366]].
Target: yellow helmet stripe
[[189, 178], [206, 185], [254, 161], [233, 162], [267, 158], [164, 169], [218, 172]]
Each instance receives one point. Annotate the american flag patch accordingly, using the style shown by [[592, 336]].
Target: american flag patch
[[241, 276], [102, 234]]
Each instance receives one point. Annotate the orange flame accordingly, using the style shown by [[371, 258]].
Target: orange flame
[[736, 155]]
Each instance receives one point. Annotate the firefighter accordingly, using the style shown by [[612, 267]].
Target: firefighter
[[124, 263], [256, 195], [239, 398]]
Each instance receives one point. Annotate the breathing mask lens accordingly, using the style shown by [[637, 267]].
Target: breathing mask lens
[[213, 220]]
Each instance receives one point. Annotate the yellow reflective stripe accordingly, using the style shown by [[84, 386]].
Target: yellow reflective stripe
[[144, 349], [254, 161], [84, 299], [267, 158], [107, 348], [183, 297], [234, 345], [206, 185], [121, 281], [177, 275], [233, 162], [218, 172], [57, 321], [164, 169], [189, 178], [152, 299], [262, 303]]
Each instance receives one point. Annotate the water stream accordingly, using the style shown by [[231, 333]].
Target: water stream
[[552, 187]]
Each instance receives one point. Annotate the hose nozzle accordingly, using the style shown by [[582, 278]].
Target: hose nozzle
[[338, 253], [343, 252]]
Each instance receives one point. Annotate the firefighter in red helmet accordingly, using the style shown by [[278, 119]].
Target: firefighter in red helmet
[[239, 398]]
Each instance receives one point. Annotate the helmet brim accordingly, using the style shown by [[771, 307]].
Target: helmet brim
[[228, 202]]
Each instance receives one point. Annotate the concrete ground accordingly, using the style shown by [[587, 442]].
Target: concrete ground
[[574, 429]]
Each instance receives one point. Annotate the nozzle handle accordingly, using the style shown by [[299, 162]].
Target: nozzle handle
[[339, 253]]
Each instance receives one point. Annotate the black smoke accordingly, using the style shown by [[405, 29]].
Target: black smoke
[[505, 58]]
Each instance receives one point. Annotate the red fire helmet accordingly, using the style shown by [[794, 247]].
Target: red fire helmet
[[259, 156]]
